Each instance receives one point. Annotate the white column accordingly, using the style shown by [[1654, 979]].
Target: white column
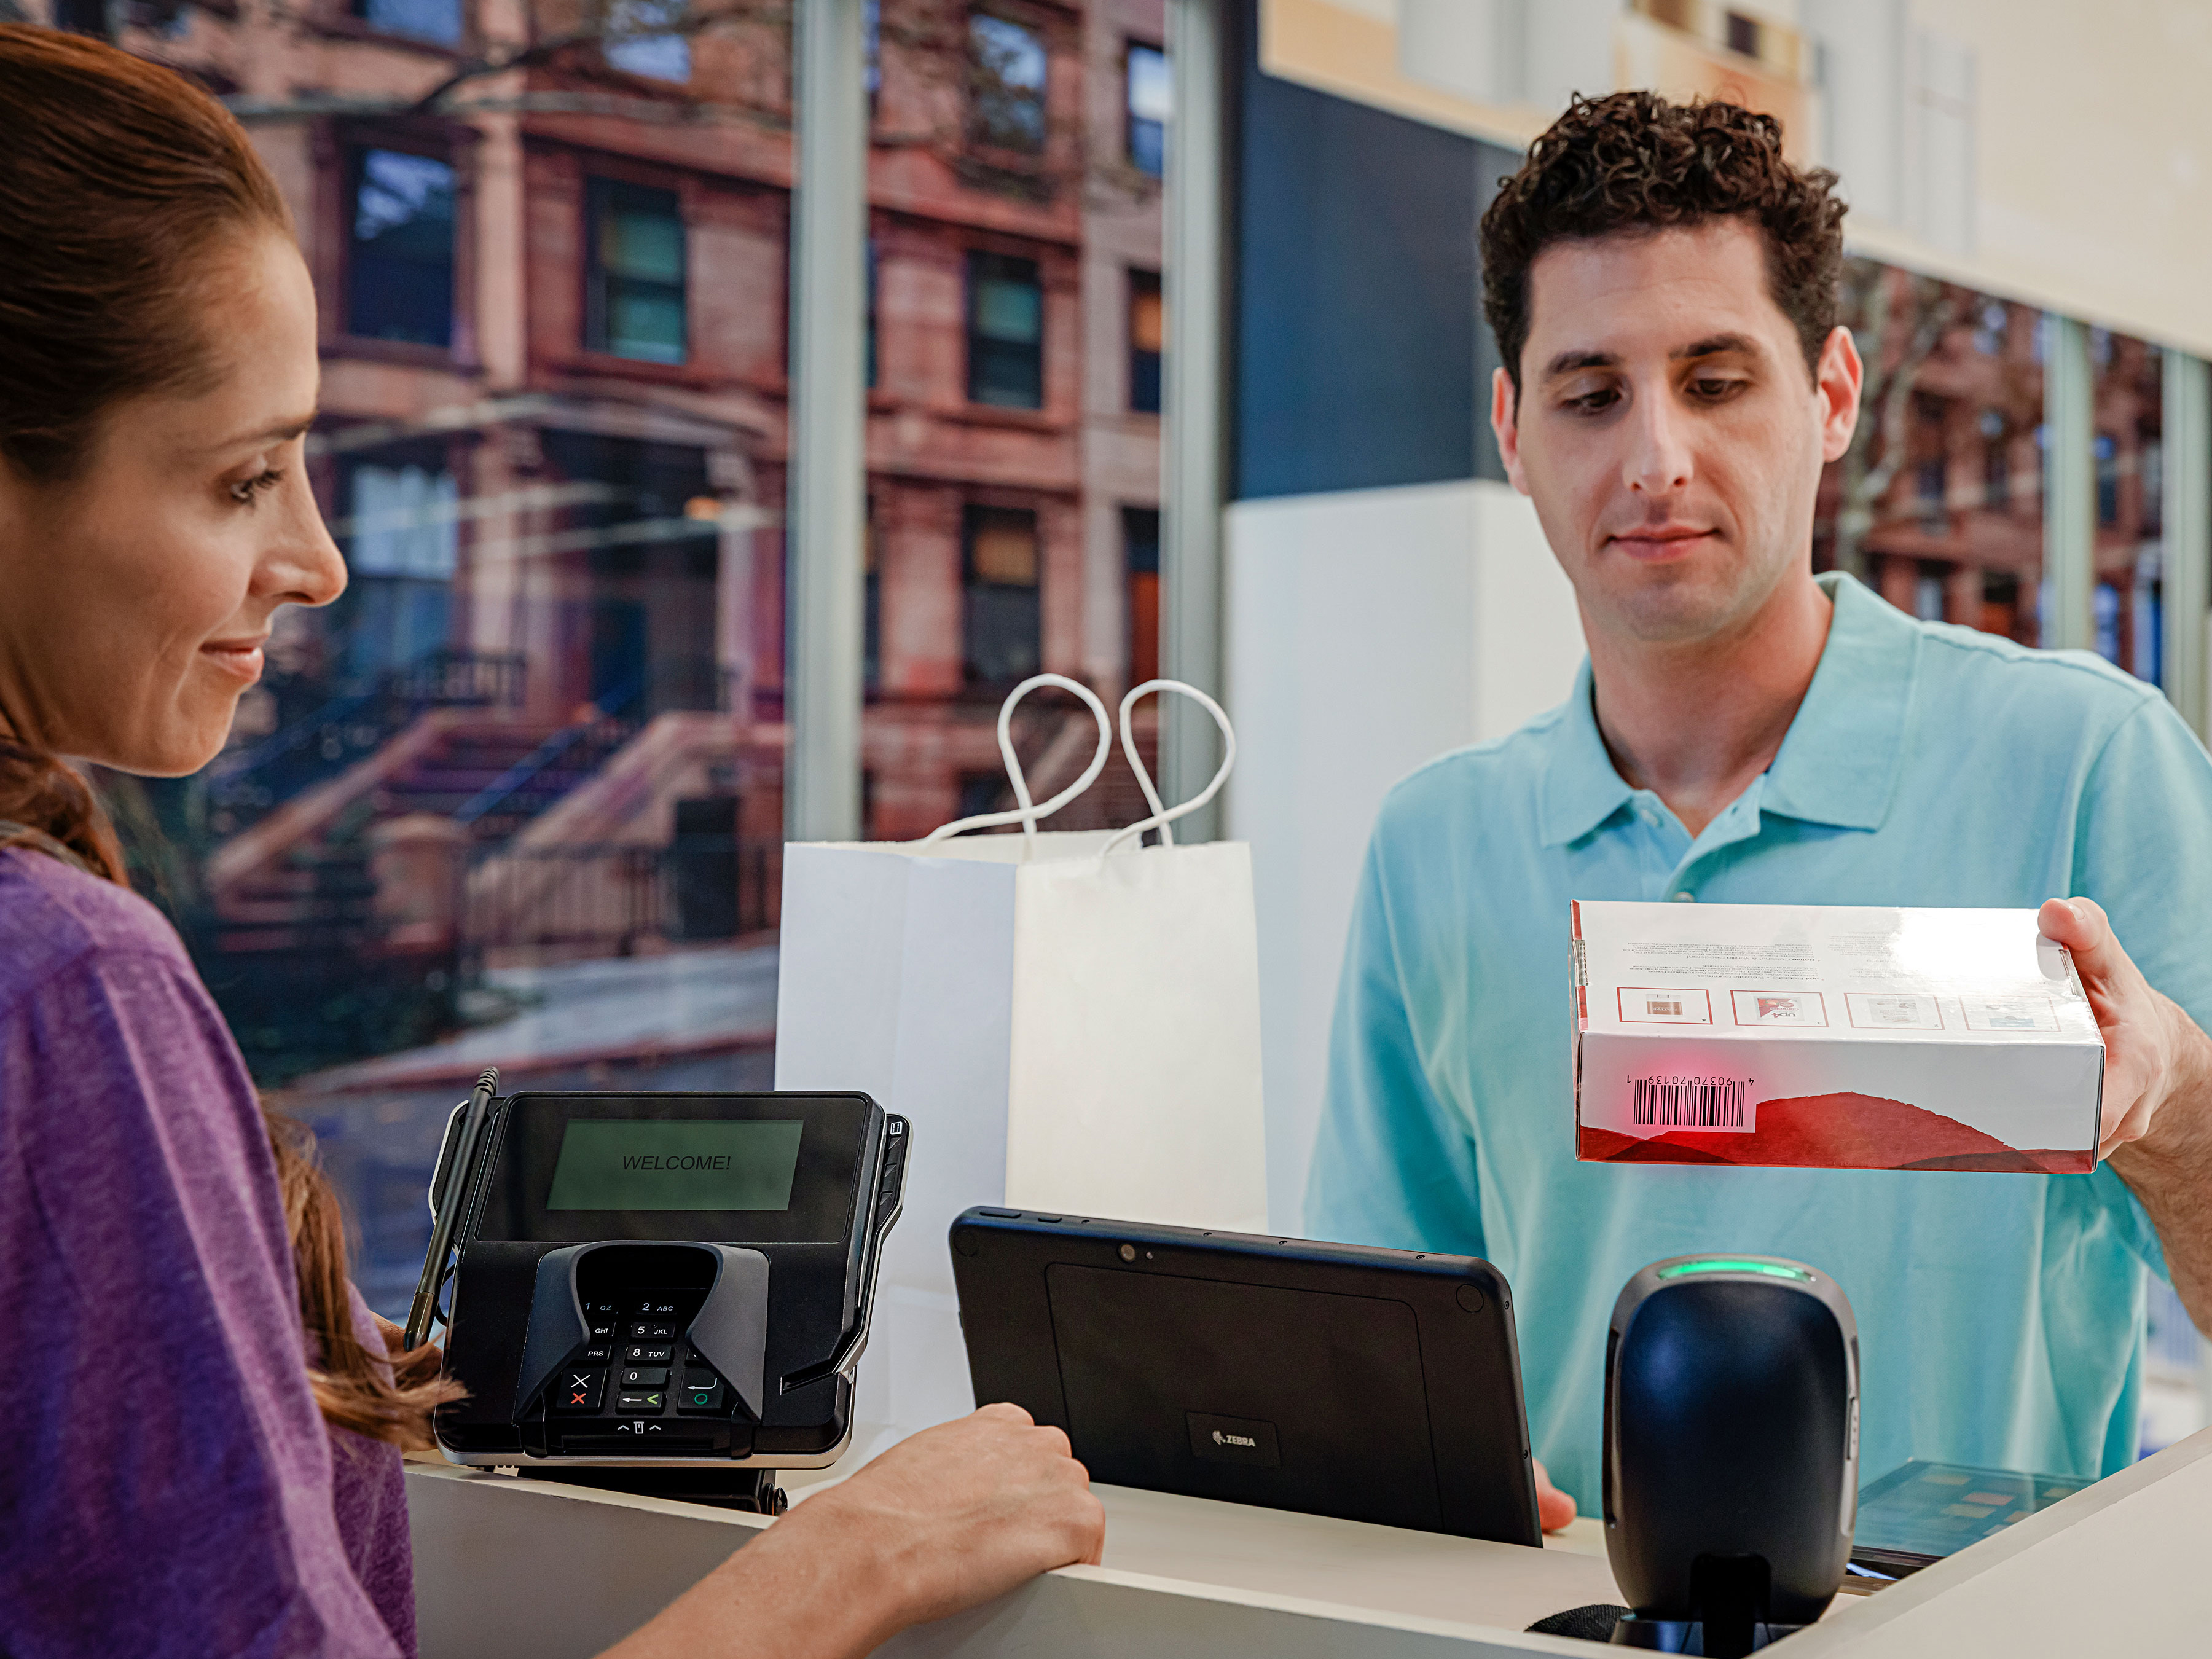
[[2069, 492], [2186, 446], [1194, 462], [827, 485]]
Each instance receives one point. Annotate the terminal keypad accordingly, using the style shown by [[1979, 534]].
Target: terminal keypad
[[635, 1363]]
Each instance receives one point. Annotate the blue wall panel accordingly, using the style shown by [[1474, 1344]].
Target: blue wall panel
[[1361, 360]]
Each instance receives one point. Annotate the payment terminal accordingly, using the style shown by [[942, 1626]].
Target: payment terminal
[[662, 1292]]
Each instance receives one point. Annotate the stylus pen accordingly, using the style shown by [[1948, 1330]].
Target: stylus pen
[[425, 1306]]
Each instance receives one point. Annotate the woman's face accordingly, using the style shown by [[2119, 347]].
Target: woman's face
[[135, 597]]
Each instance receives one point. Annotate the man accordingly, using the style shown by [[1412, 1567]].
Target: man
[[1662, 285]]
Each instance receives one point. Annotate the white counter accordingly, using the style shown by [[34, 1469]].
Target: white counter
[[539, 1570]]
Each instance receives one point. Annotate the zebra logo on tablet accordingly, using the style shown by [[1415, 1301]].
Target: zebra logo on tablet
[[1233, 1440]]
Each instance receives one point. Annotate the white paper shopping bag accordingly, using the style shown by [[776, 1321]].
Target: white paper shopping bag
[[1070, 1021]]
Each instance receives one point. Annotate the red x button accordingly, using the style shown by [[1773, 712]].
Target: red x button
[[578, 1391]]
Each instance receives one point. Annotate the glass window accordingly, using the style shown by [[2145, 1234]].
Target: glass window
[[1147, 341], [1007, 66], [1938, 505], [565, 636], [1141, 547], [637, 277], [645, 36], [1150, 98], [1005, 331], [422, 20], [400, 269], [1003, 631]]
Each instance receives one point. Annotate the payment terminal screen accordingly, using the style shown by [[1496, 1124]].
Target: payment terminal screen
[[628, 1163]]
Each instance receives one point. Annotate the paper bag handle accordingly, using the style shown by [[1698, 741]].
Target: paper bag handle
[[1026, 813], [1163, 815]]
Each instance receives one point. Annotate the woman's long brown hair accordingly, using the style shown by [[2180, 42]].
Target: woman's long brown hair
[[118, 180]]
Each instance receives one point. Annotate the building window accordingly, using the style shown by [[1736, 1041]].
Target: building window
[[400, 265], [1996, 464], [1006, 82], [1148, 98], [2106, 611], [418, 20], [872, 622], [1147, 340], [2108, 452], [1002, 622], [647, 37], [1140, 549], [872, 21], [1005, 331], [82, 17], [873, 370], [634, 283], [1931, 485], [1928, 592], [401, 532]]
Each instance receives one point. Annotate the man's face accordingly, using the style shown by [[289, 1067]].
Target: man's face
[[1666, 430]]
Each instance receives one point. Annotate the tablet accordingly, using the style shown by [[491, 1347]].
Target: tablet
[[1332, 1379], [1920, 1512]]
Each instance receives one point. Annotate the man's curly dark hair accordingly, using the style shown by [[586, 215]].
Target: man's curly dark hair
[[1633, 162]]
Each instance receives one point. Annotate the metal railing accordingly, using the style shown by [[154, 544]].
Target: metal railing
[[606, 899], [244, 786]]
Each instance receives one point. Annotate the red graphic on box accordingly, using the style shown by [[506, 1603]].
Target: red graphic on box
[[1800, 1008], [1836, 1132]]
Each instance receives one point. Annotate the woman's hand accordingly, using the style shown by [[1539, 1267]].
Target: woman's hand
[[964, 1512], [949, 1519]]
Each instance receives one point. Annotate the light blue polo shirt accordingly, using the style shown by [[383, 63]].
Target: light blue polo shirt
[[1999, 1316]]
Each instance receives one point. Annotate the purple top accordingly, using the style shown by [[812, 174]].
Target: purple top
[[168, 1487]]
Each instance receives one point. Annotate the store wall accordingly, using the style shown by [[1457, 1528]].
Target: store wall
[[1369, 632]]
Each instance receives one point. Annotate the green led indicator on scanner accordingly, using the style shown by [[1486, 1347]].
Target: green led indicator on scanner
[[1728, 1265]]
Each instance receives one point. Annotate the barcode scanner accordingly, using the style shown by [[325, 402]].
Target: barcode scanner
[[1731, 1450]]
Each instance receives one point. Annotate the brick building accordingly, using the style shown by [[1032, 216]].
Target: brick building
[[550, 241], [1946, 479]]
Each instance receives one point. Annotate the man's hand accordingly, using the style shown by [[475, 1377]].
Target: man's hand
[[1554, 1508], [2157, 1126], [946, 1521], [2153, 1050]]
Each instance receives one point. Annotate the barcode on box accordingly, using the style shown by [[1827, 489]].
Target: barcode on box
[[1687, 1102]]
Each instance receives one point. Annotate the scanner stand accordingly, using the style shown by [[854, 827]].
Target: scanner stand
[[1729, 1595], [1689, 1636]]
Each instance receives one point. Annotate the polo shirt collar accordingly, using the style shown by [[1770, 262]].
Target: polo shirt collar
[[1838, 764], [1582, 789]]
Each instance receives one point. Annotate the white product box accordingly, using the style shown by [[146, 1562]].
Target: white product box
[[1831, 1037]]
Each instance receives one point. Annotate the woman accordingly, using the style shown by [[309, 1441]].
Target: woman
[[205, 1459]]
